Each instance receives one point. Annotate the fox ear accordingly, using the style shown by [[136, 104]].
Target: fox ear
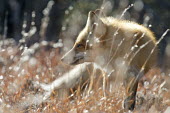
[[100, 27], [95, 24], [99, 13], [90, 20]]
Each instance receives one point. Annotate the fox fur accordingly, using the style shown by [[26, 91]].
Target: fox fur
[[116, 44]]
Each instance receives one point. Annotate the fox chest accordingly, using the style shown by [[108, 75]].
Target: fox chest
[[109, 56]]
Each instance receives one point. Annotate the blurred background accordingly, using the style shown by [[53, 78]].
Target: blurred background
[[51, 20]]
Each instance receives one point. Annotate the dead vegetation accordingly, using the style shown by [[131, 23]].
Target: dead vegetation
[[18, 92], [26, 73]]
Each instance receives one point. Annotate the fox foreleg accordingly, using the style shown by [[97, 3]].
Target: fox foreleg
[[131, 84], [79, 73]]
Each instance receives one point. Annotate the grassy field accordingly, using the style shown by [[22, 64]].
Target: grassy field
[[19, 66]]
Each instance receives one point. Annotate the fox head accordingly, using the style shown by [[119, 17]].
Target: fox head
[[84, 47]]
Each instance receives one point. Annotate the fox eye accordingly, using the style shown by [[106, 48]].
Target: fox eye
[[80, 46]]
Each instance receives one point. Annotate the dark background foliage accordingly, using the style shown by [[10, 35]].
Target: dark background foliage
[[14, 12]]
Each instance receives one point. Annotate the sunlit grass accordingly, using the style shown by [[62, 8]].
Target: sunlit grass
[[17, 92], [21, 67]]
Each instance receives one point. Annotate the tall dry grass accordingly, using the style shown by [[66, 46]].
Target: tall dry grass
[[21, 67]]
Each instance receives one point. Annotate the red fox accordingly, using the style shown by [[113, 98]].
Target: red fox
[[111, 43]]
